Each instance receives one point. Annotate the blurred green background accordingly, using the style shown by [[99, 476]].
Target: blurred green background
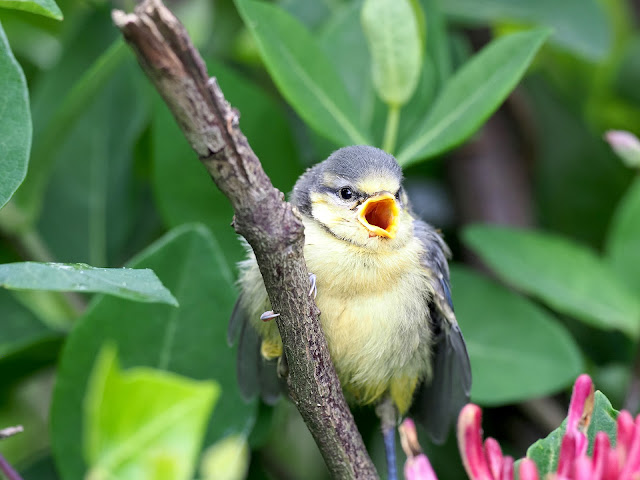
[[541, 215]]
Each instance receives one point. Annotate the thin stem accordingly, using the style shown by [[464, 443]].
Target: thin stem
[[391, 129], [8, 470]]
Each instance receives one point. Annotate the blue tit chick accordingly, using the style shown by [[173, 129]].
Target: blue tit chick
[[382, 289]]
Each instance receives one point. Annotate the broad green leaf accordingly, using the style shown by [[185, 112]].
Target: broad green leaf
[[184, 191], [568, 277], [41, 468], [228, 458], [144, 423], [572, 162], [189, 340], [413, 112], [96, 203], [61, 100], [472, 94], [26, 343], [141, 285], [545, 451], [344, 42], [438, 44], [48, 8], [393, 33], [15, 122], [623, 242], [310, 14], [580, 26], [507, 333], [303, 73]]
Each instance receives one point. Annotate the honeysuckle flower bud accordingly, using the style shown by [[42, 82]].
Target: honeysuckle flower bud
[[528, 470], [485, 461], [417, 466], [626, 145], [482, 462]]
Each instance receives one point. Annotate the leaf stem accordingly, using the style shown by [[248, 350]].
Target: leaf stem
[[391, 129], [8, 470]]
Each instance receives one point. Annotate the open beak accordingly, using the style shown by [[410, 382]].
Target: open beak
[[379, 215]]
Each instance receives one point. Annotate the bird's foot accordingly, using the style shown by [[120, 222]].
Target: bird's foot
[[314, 288], [389, 435], [268, 315], [388, 415]]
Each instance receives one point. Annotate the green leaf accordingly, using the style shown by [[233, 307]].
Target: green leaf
[[506, 333], [622, 248], [572, 162], [545, 451], [48, 8], [227, 458], [303, 73], [141, 285], [438, 44], [26, 343], [472, 94], [60, 102], [184, 191], [15, 122], [144, 423], [393, 34], [345, 45], [580, 26], [568, 277], [189, 340], [95, 202]]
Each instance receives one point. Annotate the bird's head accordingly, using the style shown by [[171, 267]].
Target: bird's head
[[356, 194]]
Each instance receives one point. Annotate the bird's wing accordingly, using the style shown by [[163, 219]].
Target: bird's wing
[[439, 401], [255, 374]]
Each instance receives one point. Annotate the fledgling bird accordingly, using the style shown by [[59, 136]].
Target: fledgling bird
[[382, 283]]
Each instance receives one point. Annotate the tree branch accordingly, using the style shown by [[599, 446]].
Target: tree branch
[[269, 224]]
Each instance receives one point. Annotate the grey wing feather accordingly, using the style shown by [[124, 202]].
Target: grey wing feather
[[271, 386], [438, 402], [255, 374], [248, 361], [236, 322]]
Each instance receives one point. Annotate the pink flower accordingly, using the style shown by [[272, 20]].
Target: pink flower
[[417, 466], [626, 145], [484, 461], [622, 462]]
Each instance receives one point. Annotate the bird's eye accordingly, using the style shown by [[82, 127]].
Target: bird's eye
[[398, 194], [346, 193]]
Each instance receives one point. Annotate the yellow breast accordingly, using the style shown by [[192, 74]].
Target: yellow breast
[[374, 311]]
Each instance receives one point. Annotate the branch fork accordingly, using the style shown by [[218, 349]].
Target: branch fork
[[271, 226]]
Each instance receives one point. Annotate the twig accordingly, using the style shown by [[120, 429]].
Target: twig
[[8, 470], [262, 217], [5, 468], [10, 431]]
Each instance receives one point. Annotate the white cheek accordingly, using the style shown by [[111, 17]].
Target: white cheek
[[340, 226]]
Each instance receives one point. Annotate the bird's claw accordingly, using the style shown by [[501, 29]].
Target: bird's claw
[[268, 315], [314, 289]]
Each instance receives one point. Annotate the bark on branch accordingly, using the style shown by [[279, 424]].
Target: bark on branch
[[269, 224]]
